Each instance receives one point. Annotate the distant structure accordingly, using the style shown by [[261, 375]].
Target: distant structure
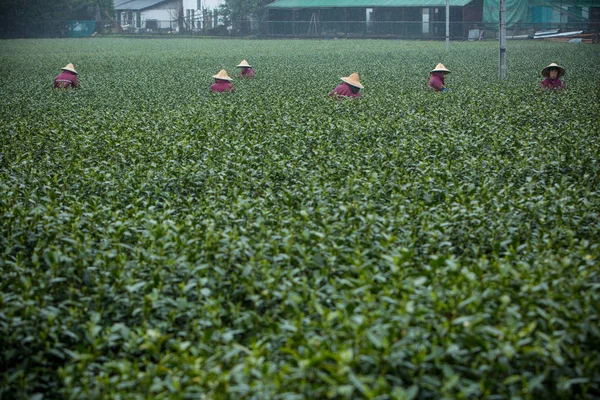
[[425, 19], [163, 16], [546, 14], [377, 18]]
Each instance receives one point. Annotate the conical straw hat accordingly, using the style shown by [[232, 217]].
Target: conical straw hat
[[244, 63], [546, 71], [222, 75], [353, 80], [70, 67], [440, 68]]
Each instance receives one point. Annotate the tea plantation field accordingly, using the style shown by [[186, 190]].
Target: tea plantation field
[[159, 241]]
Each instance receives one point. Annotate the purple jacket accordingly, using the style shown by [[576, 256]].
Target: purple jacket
[[344, 90], [66, 79], [247, 72], [221, 86], [436, 81], [550, 83]]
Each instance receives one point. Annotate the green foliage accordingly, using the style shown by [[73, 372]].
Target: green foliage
[[46, 18], [238, 10], [160, 241]]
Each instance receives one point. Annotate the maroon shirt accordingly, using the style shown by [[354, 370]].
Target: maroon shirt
[[222, 86], [550, 83], [66, 79], [247, 72], [344, 90], [436, 81]]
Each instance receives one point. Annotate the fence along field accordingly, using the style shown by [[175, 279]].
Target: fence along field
[[158, 241]]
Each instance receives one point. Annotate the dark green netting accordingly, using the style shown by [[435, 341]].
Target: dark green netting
[[517, 10], [566, 3]]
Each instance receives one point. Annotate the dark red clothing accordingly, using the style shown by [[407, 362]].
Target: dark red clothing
[[550, 83], [436, 81], [344, 91], [66, 79], [221, 86], [247, 72]]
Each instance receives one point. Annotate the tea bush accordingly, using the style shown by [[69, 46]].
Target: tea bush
[[160, 241]]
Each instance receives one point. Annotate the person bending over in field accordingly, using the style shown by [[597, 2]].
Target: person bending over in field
[[247, 71], [222, 83], [349, 88], [436, 79], [553, 72], [67, 79]]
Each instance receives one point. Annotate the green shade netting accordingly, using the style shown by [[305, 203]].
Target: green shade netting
[[516, 10], [568, 3]]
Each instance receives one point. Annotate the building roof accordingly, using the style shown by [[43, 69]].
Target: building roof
[[136, 4], [296, 4]]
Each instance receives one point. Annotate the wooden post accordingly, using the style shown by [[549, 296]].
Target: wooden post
[[447, 25], [502, 38], [462, 23], [345, 21], [403, 23], [319, 17]]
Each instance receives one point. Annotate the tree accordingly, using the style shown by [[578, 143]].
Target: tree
[[46, 18], [235, 11]]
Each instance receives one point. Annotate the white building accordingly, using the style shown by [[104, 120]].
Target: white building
[[163, 15]]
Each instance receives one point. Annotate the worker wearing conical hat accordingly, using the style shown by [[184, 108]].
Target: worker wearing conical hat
[[350, 87], [222, 83], [247, 71], [67, 78], [553, 72], [436, 79]]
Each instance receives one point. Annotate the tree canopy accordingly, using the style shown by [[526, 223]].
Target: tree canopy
[[238, 10], [46, 18]]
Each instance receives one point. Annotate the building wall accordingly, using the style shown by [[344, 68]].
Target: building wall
[[165, 16], [167, 19], [595, 16], [473, 12]]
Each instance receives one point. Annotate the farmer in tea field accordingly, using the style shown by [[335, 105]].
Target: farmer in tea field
[[222, 83], [67, 79], [247, 71], [553, 72], [436, 80], [349, 88]]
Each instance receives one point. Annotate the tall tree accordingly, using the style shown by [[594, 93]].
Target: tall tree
[[233, 11], [45, 18]]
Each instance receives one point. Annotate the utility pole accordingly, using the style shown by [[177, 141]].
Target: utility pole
[[447, 25], [502, 21]]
